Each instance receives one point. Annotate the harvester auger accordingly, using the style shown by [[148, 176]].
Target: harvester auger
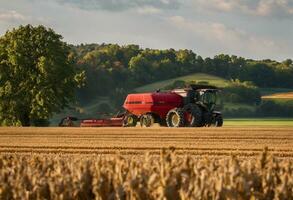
[[193, 106]]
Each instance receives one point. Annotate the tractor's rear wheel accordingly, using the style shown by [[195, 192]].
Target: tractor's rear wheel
[[67, 121], [175, 118], [147, 120], [194, 115], [130, 121], [162, 122]]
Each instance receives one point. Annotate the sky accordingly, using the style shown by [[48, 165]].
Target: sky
[[257, 29]]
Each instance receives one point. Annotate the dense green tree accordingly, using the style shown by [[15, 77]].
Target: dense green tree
[[129, 51], [140, 68], [242, 92], [260, 73], [288, 63], [37, 77]]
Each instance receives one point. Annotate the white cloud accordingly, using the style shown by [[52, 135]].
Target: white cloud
[[223, 5], [12, 16], [122, 5], [224, 39], [277, 8], [216, 31], [207, 31], [274, 7]]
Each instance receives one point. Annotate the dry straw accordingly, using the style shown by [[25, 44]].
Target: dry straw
[[165, 177]]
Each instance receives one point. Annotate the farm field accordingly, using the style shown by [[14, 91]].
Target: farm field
[[287, 95], [168, 177], [146, 163], [199, 142], [258, 122]]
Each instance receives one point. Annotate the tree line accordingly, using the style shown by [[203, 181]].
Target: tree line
[[110, 67]]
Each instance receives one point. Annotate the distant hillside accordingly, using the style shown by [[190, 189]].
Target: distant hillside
[[93, 109], [103, 106], [197, 78], [267, 93], [113, 70]]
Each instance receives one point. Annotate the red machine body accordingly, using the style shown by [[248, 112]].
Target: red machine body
[[158, 103]]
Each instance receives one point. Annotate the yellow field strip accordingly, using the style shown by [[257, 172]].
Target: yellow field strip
[[214, 153], [286, 95], [211, 142]]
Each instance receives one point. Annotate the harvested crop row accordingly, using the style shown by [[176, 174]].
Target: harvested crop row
[[140, 150], [136, 141], [162, 177], [199, 154]]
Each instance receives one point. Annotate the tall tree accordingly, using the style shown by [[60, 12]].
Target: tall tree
[[37, 78]]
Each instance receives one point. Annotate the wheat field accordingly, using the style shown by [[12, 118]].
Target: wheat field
[[146, 163], [168, 177], [199, 142]]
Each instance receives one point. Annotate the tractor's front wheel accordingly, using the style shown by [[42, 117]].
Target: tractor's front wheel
[[147, 120], [130, 121], [218, 121], [175, 118]]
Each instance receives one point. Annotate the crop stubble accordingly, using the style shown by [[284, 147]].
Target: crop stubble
[[200, 142]]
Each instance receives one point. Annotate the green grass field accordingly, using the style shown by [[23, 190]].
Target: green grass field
[[288, 102], [198, 77], [201, 77], [238, 106], [270, 91], [258, 122]]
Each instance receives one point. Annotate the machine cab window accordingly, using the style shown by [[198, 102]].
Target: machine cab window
[[208, 97]]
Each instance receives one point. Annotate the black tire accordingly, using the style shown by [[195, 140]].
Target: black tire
[[196, 113], [219, 121], [162, 122], [147, 120], [175, 118], [67, 121], [130, 121]]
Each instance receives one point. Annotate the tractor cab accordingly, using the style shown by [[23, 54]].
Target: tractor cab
[[208, 98], [204, 95]]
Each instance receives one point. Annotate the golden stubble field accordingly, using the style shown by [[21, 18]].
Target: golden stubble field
[[129, 163], [199, 142]]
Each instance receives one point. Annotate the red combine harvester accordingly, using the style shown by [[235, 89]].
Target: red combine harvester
[[189, 107]]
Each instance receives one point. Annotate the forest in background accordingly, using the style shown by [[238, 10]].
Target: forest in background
[[112, 71]]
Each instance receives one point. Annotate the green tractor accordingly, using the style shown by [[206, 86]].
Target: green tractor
[[199, 107]]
